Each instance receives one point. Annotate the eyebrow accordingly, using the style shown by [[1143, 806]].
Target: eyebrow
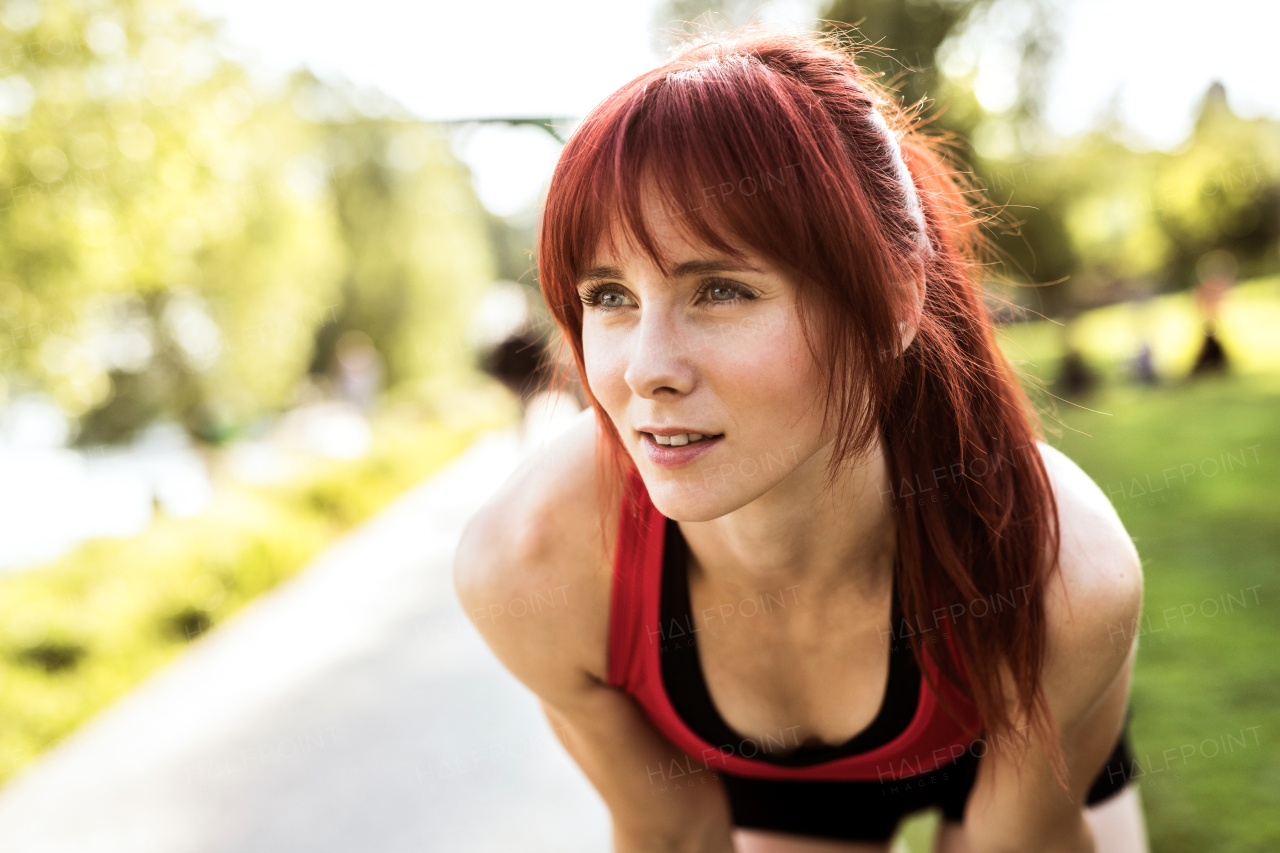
[[687, 268]]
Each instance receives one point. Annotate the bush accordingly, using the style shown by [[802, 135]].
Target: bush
[[81, 631]]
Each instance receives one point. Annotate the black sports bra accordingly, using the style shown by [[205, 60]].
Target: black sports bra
[[683, 680]]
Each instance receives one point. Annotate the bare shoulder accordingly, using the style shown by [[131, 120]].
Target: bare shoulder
[[1097, 594], [533, 567]]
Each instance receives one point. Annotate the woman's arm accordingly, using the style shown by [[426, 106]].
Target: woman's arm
[[1016, 803], [530, 538], [629, 763]]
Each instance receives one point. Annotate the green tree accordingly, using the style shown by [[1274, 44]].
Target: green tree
[[175, 236]]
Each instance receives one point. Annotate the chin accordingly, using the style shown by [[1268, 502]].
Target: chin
[[688, 499]]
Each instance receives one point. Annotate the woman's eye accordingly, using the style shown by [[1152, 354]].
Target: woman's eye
[[603, 296], [727, 292], [607, 297]]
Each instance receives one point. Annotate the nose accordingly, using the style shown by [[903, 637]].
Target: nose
[[661, 362]]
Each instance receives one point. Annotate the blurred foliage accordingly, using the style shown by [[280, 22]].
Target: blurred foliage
[[1132, 223], [1109, 221], [900, 44], [1087, 221], [79, 632], [182, 238], [179, 237]]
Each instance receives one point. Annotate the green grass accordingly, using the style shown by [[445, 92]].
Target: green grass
[[81, 631], [1207, 676], [1207, 666]]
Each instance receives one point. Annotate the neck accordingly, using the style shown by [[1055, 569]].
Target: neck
[[819, 542]]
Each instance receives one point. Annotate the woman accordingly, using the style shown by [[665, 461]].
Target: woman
[[803, 567]]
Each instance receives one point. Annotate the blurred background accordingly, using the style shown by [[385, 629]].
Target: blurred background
[[270, 330]]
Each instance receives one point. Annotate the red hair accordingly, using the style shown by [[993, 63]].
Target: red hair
[[795, 119]]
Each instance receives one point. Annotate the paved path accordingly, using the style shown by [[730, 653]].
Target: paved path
[[353, 710]]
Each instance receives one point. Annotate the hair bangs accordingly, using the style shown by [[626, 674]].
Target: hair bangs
[[700, 149]]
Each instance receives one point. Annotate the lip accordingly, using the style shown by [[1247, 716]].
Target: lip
[[666, 456], [674, 430]]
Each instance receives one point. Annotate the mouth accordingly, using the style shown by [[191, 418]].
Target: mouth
[[676, 451], [679, 439]]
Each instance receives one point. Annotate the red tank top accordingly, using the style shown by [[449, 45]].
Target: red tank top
[[932, 739]]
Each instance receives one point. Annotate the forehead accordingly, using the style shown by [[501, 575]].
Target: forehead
[[674, 234]]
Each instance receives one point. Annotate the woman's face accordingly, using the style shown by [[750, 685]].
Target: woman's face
[[715, 349]]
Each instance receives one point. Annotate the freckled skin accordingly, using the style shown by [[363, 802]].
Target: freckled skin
[[732, 365]]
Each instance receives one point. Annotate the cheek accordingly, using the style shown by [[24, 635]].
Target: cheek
[[606, 367], [769, 368]]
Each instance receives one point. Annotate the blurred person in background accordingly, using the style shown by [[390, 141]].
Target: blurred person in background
[[1075, 377], [825, 573], [519, 363], [1143, 366], [505, 331], [1216, 271], [359, 370]]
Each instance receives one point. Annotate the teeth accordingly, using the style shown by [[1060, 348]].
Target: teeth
[[679, 440]]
